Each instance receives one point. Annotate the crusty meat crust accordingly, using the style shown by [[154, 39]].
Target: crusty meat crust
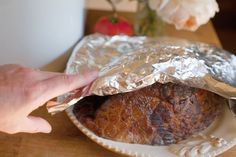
[[160, 114]]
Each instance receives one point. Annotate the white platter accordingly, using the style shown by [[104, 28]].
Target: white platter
[[216, 139]]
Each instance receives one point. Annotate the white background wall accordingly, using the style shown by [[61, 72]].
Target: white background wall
[[124, 5]]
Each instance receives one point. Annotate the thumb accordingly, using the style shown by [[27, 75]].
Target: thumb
[[35, 124]]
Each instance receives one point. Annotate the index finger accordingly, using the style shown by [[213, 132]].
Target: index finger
[[64, 83]]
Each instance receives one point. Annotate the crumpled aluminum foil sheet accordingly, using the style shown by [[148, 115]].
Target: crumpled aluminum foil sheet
[[129, 63]]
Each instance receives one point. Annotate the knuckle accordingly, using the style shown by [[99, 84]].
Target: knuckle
[[13, 65], [26, 71]]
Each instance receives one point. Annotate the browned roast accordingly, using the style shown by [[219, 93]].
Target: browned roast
[[159, 114]]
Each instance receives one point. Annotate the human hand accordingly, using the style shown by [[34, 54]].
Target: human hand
[[23, 90]]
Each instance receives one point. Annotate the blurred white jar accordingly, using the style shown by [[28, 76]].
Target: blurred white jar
[[39, 33]]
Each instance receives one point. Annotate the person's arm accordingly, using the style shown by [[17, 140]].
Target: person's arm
[[23, 90]]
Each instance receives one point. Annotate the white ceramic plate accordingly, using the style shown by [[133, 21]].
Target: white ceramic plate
[[217, 138]]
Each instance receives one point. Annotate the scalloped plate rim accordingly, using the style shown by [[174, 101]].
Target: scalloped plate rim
[[118, 150]]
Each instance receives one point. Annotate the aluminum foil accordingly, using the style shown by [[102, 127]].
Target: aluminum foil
[[129, 63]]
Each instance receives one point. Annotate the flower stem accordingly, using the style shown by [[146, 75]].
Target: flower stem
[[147, 22], [114, 10]]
